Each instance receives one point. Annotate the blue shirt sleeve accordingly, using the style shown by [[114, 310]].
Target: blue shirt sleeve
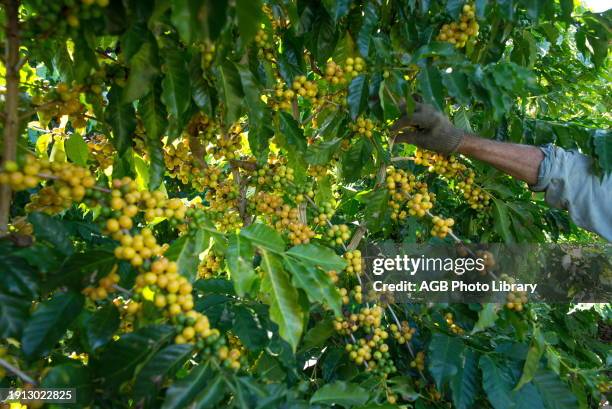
[[568, 179]]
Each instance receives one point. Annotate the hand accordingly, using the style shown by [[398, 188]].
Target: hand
[[428, 129]]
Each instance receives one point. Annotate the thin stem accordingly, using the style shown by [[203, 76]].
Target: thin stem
[[17, 372]]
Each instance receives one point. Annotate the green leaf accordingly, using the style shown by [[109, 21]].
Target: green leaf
[[486, 317], [554, 392], [369, 24], [337, 8], [317, 256], [321, 153], [182, 392], [501, 220], [143, 70], [239, 259], [70, 375], [247, 328], [464, 385], [285, 309], [532, 362], [252, 93], [453, 8], [186, 252], [457, 85], [19, 278], [316, 283], [120, 358], [376, 208], [76, 149], [230, 92], [161, 366], [430, 85], [176, 90], [101, 326], [358, 95], [444, 357], [355, 159], [293, 138], [154, 119], [389, 102], [249, 16], [340, 393], [211, 395], [13, 315], [497, 384], [263, 237], [318, 335], [49, 322], [52, 231], [121, 118]]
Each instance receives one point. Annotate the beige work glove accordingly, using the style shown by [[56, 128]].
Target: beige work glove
[[428, 129]]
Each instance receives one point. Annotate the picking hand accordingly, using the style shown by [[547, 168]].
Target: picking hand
[[428, 129]]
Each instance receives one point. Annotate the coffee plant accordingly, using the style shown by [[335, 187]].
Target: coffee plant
[[187, 186]]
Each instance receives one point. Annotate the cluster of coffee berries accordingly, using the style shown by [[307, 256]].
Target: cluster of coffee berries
[[282, 98], [419, 361], [317, 171], [451, 169], [339, 233], [283, 217], [62, 100], [228, 147], [354, 66], [208, 53], [441, 227], [134, 249], [344, 294], [334, 73], [105, 286], [101, 150], [305, 88], [400, 184], [488, 260], [202, 127], [265, 44], [362, 127], [372, 352], [231, 358], [603, 386], [275, 175], [458, 33], [403, 333], [357, 294], [419, 204], [354, 262], [194, 328], [210, 266], [221, 196], [515, 300], [326, 211], [455, 329], [179, 161]]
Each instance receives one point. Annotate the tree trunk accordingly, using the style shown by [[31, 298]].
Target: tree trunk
[[11, 125]]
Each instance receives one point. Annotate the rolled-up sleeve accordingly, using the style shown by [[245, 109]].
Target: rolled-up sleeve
[[568, 179]]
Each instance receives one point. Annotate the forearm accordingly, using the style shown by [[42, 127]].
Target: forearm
[[519, 161]]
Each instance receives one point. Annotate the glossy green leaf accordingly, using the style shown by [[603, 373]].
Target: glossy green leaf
[[163, 365], [555, 393], [186, 252], [444, 358], [430, 85], [316, 284], [340, 393], [239, 259], [358, 95], [121, 118], [76, 149], [496, 383], [183, 392], [49, 323], [502, 221], [285, 309], [263, 237], [249, 16], [71, 375], [464, 385], [101, 326], [317, 256], [486, 317], [230, 91], [154, 119], [13, 315], [143, 70], [176, 90]]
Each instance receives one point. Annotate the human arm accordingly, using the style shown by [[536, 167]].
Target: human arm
[[565, 176]]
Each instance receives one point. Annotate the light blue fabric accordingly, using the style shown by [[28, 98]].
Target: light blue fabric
[[569, 181]]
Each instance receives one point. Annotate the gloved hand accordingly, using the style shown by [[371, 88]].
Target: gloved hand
[[428, 129]]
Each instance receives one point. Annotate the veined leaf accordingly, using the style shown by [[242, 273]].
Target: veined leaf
[[464, 385], [143, 70], [444, 357], [155, 122], [49, 322], [430, 84], [340, 393], [230, 92], [317, 256], [358, 92], [239, 259], [285, 309], [182, 392], [263, 237], [76, 149], [176, 91], [121, 118]]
